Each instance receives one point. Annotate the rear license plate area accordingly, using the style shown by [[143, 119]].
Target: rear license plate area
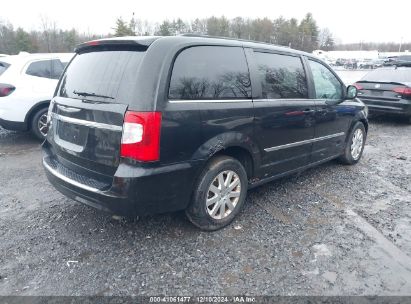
[[377, 93], [71, 133]]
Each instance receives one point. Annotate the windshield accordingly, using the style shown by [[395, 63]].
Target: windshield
[[103, 75], [3, 67], [389, 75]]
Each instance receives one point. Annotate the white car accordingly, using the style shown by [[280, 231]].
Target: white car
[[27, 84]]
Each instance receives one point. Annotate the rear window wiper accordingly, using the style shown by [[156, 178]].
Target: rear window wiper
[[86, 94]]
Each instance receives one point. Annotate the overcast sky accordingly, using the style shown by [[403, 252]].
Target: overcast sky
[[348, 20]]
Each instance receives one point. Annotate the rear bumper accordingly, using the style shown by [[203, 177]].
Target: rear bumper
[[134, 190], [13, 125], [401, 107]]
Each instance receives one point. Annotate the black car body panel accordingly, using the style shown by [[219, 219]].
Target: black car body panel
[[275, 136]]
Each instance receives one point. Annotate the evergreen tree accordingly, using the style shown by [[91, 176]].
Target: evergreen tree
[[23, 41], [309, 33], [165, 29], [122, 28]]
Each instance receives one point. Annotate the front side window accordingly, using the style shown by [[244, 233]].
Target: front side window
[[281, 76], [327, 86], [210, 72], [41, 68]]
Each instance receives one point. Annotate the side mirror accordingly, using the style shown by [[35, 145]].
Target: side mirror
[[352, 92]]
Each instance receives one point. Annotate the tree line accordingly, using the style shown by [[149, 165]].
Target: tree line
[[48, 39], [304, 35], [301, 34]]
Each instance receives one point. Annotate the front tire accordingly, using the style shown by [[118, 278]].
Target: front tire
[[39, 124], [219, 194], [354, 147]]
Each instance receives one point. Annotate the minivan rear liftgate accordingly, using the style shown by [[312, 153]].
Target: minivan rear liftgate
[[90, 129], [87, 113], [87, 134]]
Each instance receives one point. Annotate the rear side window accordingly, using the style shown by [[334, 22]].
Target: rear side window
[[281, 76], [3, 67], [210, 72], [389, 75], [41, 68], [109, 75]]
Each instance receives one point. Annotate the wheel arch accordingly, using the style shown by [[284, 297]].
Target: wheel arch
[[233, 144], [360, 117], [37, 107]]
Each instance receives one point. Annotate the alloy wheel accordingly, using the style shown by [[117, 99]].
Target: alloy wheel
[[223, 194], [42, 125], [357, 144]]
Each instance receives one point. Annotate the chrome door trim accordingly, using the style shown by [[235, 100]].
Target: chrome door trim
[[209, 100], [90, 124], [304, 142], [68, 180]]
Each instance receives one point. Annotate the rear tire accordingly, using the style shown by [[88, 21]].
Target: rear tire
[[219, 194], [355, 145], [39, 124]]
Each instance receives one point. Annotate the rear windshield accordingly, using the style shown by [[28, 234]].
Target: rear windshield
[[3, 67], [104, 75], [389, 75]]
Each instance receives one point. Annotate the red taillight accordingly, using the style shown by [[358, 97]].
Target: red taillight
[[359, 87], [6, 89], [141, 136], [403, 91]]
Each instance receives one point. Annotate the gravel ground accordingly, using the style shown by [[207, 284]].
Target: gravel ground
[[332, 230]]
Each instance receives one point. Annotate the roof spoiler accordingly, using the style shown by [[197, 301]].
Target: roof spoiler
[[121, 41]]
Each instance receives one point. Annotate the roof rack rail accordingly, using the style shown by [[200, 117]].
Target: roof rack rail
[[200, 35]]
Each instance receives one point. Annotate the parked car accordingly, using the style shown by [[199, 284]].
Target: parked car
[[364, 64], [387, 91], [27, 84], [148, 125], [341, 61], [351, 64], [389, 60], [378, 63], [402, 60]]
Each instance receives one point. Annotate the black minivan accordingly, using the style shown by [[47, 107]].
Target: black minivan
[[142, 125]]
